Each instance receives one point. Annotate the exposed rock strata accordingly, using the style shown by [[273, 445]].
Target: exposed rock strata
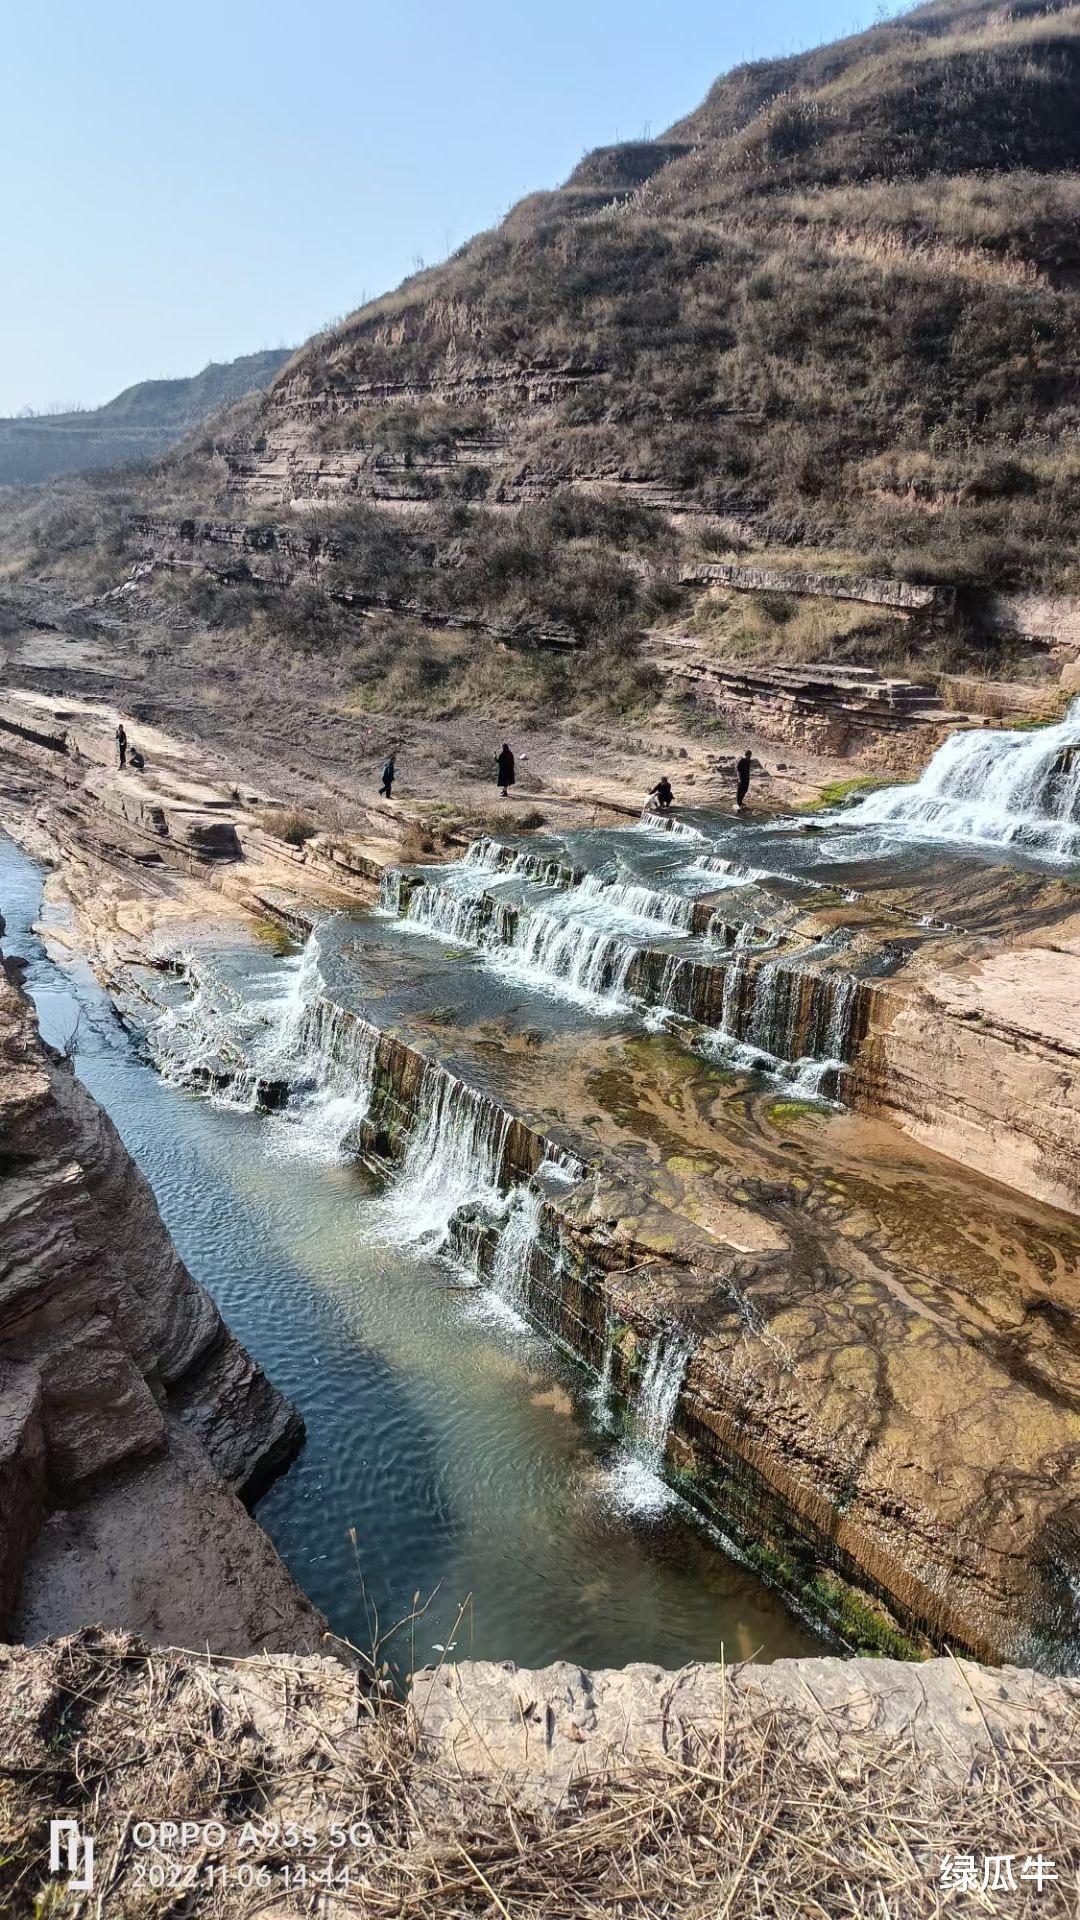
[[131, 1419], [893, 1447]]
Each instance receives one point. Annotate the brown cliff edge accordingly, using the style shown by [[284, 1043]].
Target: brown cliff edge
[[133, 1425]]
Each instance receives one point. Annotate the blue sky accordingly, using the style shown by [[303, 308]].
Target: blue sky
[[192, 181]]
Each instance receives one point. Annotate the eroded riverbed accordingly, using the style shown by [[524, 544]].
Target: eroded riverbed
[[459, 1447]]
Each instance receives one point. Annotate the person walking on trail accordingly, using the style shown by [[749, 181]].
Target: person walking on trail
[[504, 770], [742, 779], [121, 743], [662, 793], [387, 786]]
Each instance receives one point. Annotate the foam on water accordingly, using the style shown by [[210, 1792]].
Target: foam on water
[[998, 788]]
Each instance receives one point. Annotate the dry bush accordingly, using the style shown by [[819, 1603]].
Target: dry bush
[[289, 824]]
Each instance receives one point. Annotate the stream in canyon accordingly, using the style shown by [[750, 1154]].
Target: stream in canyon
[[406, 1158], [454, 1441]]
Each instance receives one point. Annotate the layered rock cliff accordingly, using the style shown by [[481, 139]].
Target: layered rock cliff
[[133, 1424]]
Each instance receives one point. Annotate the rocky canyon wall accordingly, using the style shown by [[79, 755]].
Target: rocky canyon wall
[[132, 1424]]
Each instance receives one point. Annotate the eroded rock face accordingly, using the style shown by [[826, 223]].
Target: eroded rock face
[[115, 1364]]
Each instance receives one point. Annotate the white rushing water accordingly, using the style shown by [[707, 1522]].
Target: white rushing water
[[577, 942], [513, 1250], [667, 823], [555, 952], [995, 788], [601, 1393], [766, 1023], [628, 903], [454, 1158], [283, 1037], [637, 1480]]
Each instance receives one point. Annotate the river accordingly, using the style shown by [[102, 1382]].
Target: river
[[451, 1453]]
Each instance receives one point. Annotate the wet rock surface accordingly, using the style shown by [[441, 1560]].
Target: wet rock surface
[[879, 1398]]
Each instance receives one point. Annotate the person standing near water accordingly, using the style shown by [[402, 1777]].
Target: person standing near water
[[504, 770], [662, 793], [121, 744], [742, 779], [388, 777]]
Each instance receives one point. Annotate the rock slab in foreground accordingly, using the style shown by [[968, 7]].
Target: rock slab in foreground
[[542, 1730]]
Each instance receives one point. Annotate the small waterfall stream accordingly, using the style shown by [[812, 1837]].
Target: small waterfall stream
[[455, 1158], [639, 1476]]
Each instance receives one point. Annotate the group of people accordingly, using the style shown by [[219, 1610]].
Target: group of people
[[504, 773], [125, 751], [662, 793]]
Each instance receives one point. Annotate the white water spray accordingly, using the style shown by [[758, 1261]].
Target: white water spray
[[996, 788]]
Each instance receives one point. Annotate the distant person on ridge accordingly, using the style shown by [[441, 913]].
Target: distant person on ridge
[[121, 743], [504, 770], [388, 777], [742, 779], [662, 793]]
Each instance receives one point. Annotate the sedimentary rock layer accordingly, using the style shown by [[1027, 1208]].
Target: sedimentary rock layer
[[130, 1418]]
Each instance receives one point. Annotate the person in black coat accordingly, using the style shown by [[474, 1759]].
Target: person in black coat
[[662, 793], [388, 777], [121, 742], [504, 770], [742, 779]]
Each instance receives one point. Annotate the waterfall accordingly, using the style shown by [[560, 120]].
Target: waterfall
[[447, 913], [996, 788], [811, 1076], [455, 1157], [601, 1393], [723, 873], [513, 1249], [484, 853], [390, 891], [637, 1480], [667, 823], [553, 950], [291, 1042], [784, 1016], [658, 1395], [334, 1054], [625, 900]]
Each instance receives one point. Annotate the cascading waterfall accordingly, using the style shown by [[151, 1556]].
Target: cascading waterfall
[[658, 1395], [556, 950], [580, 942], [811, 1076], [996, 788], [455, 1157], [513, 1249], [291, 1039], [601, 1393], [627, 900], [768, 1017], [723, 873], [390, 891], [451, 914], [333, 1067], [667, 823], [638, 1478]]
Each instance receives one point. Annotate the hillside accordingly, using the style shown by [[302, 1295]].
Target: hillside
[[826, 327], [142, 421]]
